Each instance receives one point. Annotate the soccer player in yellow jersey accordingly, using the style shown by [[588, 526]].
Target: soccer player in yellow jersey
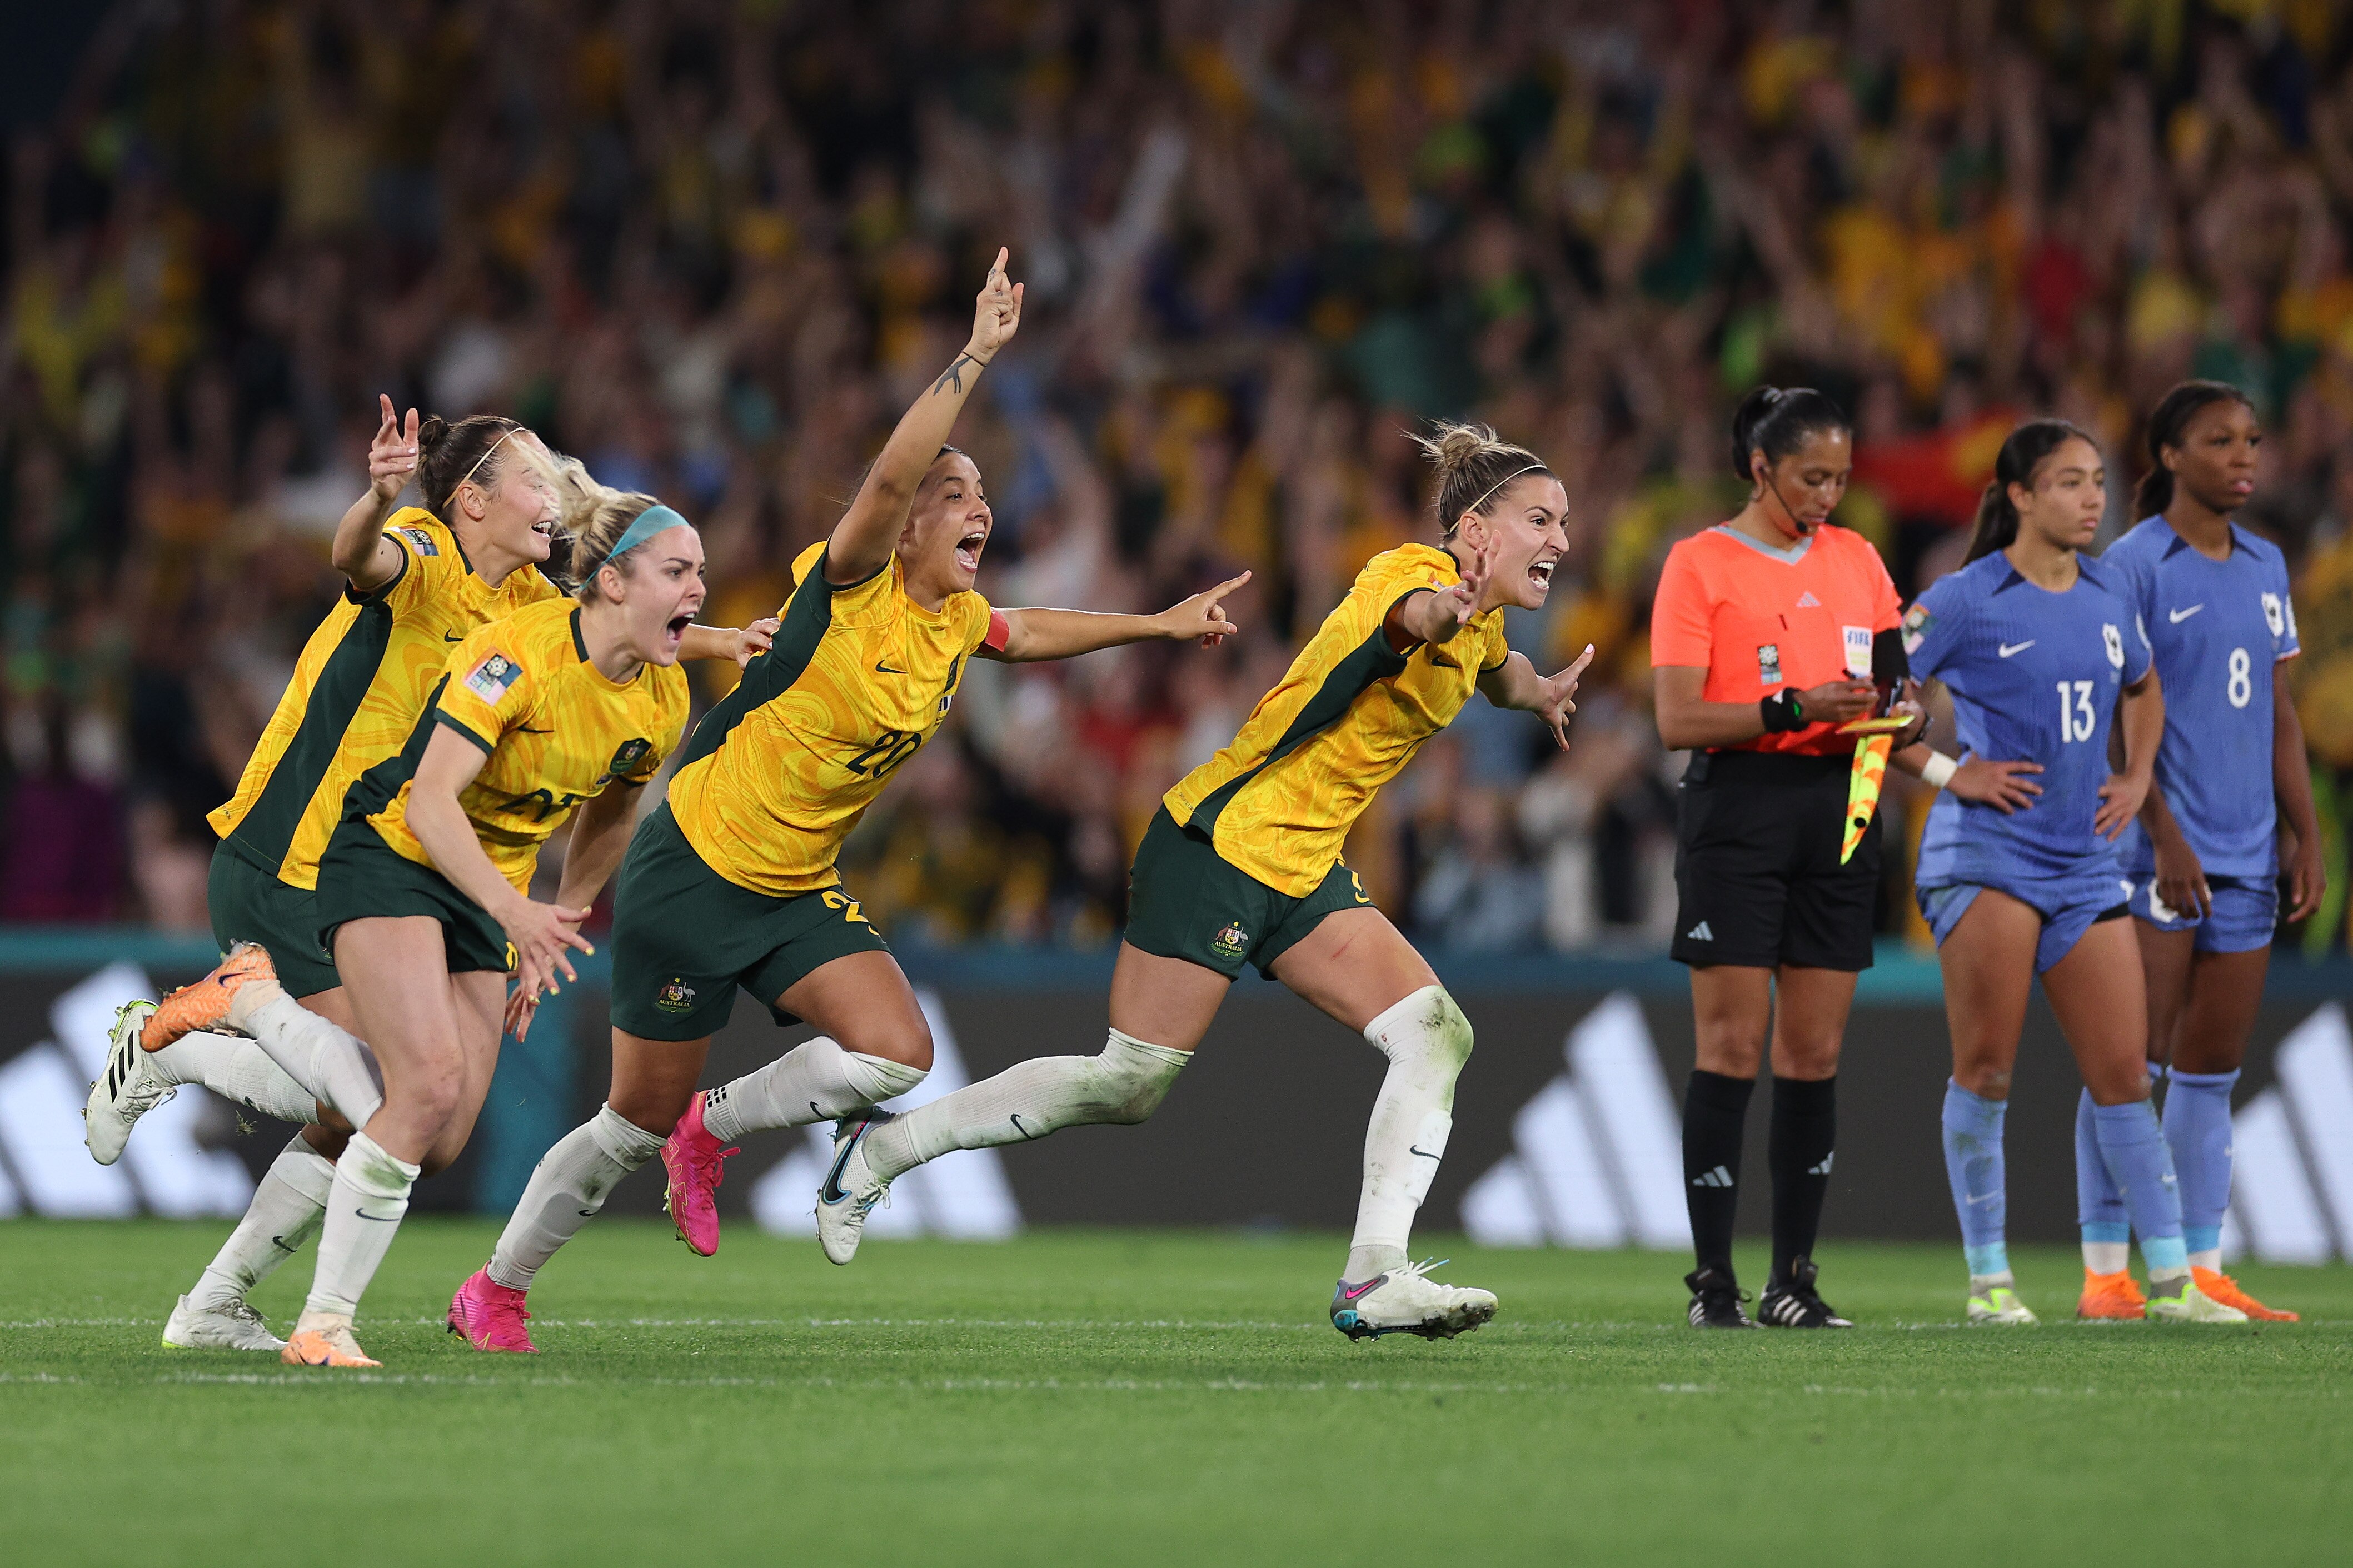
[[423, 889], [732, 882], [419, 581], [1243, 864]]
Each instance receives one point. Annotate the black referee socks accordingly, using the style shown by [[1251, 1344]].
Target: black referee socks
[[1805, 1132], [1713, 1108]]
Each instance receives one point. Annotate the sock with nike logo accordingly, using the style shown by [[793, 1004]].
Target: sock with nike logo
[[2197, 1123], [1716, 1110], [567, 1187], [286, 1209], [1427, 1039], [1803, 1139], [816, 1080], [331, 1062], [1028, 1100], [1981, 1181], [363, 1212], [2138, 1162], [238, 1071]]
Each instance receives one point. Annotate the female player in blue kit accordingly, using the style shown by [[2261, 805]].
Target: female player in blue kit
[[2035, 642], [2204, 856]]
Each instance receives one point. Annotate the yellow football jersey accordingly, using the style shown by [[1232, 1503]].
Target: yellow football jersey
[[555, 730], [1348, 714], [363, 678], [782, 768]]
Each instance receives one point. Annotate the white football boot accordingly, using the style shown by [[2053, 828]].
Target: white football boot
[[1999, 1304], [236, 1327], [127, 1090], [850, 1189], [2180, 1302], [1406, 1300]]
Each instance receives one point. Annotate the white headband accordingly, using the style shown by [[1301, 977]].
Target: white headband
[[1499, 484]]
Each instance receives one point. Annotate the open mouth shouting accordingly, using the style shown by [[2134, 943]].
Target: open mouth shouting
[[969, 549], [674, 630], [1540, 572]]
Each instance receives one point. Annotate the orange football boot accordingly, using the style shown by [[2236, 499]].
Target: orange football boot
[[2221, 1287], [324, 1347], [204, 1005], [2111, 1296]]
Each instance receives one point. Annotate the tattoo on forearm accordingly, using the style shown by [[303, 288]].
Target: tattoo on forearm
[[954, 375]]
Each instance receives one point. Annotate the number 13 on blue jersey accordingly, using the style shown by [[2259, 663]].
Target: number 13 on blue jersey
[[2077, 722]]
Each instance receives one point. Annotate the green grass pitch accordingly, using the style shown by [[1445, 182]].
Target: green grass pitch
[[1149, 1397]]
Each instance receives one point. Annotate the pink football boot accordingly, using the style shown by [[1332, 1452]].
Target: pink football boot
[[491, 1315], [694, 1159]]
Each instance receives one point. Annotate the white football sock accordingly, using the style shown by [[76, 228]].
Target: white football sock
[[1426, 1040], [2106, 1257], [570, 1184], [363, 1212], [237, 1070], [2210, 1261], [816, 1080], [286, 1209], [1029, 1099], [332, 1064]]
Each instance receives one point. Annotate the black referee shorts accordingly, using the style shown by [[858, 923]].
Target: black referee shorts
[[1757, 876]]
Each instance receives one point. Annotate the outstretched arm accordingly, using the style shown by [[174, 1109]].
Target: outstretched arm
[[862, 541], [361, 551], [1515, 683], [1035, 635], [727, 643]]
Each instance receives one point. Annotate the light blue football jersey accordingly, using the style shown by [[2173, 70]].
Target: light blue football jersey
[[2217, 629], [2034, 676]]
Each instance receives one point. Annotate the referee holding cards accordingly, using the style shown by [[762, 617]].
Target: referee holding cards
[[1770, 633]]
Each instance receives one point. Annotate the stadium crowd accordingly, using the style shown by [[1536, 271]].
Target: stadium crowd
[[710, 246]]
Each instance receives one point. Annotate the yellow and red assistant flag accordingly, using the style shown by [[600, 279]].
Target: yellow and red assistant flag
[[1862, 782]]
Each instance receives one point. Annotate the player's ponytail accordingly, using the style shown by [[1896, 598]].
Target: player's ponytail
[[476, 447], [594, 518], [2021, 456], [1474, 466], [2166, 428], [1776, 421]]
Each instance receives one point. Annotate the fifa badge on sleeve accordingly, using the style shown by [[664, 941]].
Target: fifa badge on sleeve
[[1768, 663]]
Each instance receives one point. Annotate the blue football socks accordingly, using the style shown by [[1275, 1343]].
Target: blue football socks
[[2198, 1132], [2132, 1146], [1973, 1164]]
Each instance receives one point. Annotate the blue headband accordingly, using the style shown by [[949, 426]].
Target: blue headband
[[644, 526]]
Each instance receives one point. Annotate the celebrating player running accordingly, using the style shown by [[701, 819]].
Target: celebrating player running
[[1243, 864], [420, 579], [732, 882], [423, 890]]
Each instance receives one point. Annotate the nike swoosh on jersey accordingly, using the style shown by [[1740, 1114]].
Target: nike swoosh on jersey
[[883, 668], [2177, 616], [453, 636], [2011, 647]]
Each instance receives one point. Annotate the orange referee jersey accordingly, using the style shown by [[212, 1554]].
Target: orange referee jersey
[[1759, 619]]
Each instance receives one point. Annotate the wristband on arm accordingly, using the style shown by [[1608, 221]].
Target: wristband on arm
[[1938, 770], [1782, 711]]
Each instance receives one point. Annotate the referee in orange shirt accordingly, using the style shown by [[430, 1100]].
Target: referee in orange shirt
[[1767, 636]]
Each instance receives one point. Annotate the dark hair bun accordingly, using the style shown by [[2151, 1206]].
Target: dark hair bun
[[431, 432], [1776, 420]]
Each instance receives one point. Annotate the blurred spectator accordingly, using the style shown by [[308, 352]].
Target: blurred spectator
[[712, 248]]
